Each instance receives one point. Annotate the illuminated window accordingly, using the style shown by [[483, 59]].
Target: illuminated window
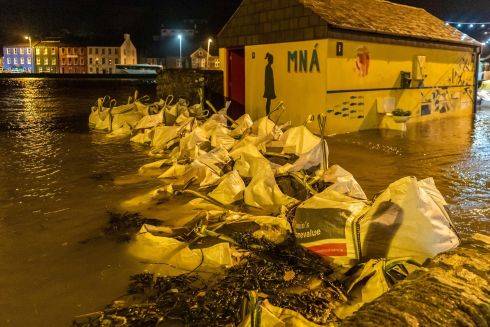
[[7, 51], [29, 60], [38, 61], [40, 69], [53, 51], [110, 61], [38, 51], [46, 61], [15, 61], [53, 62], [21, 51], [45, 51], [21, 60], [28, 50], [15, 50], [8, 61]]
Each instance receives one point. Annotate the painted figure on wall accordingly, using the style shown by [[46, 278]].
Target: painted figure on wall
[[269, 91], [362, 61]]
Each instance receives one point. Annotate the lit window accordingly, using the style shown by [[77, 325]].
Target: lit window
[[53, 51], [46, 61], [41, 69], [8, 61], [28, 50], [15, 50], [45, 51], [7, 51], [110, 61], [29, 60], [21, 60], [53, 62], [38, 51], [15, 61], [21, 51], [38, 61]]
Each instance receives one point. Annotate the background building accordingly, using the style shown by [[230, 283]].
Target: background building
[[104, 55], [46, 57], [201, 60], [73, 59], [355, 61], [18, 58]]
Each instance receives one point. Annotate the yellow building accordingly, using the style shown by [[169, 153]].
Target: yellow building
[[356, 61]]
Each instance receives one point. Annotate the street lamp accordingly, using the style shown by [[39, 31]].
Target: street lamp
[[28, 37], [207, 56], [180, 49]]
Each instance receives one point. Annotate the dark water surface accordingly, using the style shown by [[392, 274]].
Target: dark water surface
[[55, 189]]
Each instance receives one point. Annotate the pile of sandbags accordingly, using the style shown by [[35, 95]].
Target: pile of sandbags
[[270, 182]]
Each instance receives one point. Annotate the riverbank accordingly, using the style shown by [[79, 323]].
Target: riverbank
[[151, 77]]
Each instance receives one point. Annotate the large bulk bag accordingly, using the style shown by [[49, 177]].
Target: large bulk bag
[[326, 225], [407, 220]]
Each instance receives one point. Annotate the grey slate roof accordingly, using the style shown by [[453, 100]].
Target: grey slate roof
[[273, 21], [384, 17]]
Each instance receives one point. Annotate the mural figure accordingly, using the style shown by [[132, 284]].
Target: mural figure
[[362, 61], [269, 92]]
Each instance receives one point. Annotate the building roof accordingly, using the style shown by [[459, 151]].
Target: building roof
[[384, 17], [18, 45], [47, 43], [274, 21]]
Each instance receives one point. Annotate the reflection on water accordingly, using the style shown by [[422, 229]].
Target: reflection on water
[[56, 185]]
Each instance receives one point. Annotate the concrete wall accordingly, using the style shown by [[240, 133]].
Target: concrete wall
[[348, 86], [184, 83]]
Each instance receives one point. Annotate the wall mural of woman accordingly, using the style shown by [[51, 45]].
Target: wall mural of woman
[[269, 91]]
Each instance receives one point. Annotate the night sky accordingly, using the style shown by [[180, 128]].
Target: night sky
[[142, 18]]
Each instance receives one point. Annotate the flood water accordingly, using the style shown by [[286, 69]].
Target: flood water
[[56, 187]]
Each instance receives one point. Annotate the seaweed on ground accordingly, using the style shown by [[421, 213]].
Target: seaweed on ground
[[123, 226], [273, 270]]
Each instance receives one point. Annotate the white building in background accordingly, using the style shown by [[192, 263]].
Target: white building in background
[[103, 58]]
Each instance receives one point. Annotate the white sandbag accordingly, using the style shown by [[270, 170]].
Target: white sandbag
[[263, 191], [407, 220], [343, 182], [206, 168], [229, 190], [122, 131], [220, 138], [324, 224], [144, 137], [192, 140], [297, 140], [305, 161], [131, 118], [264, 127], [125, 108], [175, 171], [161, 251], [242, 125], [103, 120], [149, 121], [163, 135], [153, 166]]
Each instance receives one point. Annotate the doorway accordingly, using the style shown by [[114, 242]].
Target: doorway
[[236, 82]]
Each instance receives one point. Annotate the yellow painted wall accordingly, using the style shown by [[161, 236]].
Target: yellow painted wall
[[301, 92], [305, 93], [443, 68]]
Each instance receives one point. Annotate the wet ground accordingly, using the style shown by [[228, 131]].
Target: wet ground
[[56, 186]]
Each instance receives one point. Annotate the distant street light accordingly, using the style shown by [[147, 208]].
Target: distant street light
[[180, 49], [207, 56]]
